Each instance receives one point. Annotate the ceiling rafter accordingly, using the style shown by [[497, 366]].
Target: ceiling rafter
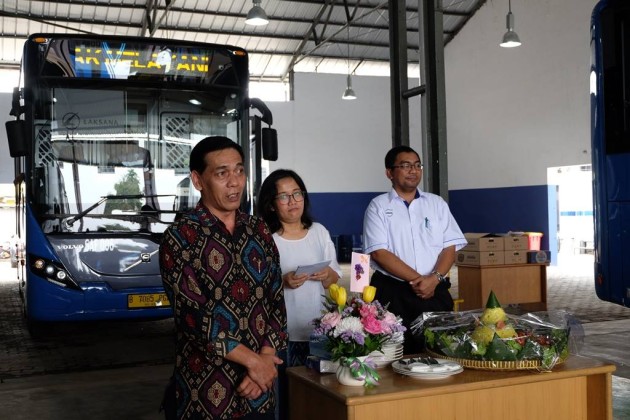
[[47, 20], [173, 9], [300, 47], [302, 34], [355, 42]]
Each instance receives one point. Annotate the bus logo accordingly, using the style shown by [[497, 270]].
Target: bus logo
[[145, 257]]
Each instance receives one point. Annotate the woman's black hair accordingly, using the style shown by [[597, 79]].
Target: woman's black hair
[[267, 198]]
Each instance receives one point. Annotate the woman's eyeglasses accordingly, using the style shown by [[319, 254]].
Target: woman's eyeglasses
[[407, 166], [284, 198]]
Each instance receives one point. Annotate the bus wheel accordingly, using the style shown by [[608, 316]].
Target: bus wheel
[[35, 328]]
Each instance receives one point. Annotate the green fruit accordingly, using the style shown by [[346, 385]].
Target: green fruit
[[506, 332], [491, 316], [493, 302], [483, 334]]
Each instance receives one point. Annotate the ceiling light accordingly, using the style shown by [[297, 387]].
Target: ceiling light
[[256, 15], [510, 39], [349, 94], [195, 101]]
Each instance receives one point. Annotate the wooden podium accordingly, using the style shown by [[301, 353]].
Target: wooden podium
[[524, 284]]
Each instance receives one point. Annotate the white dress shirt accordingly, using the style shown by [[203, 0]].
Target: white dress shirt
[[416, 234]]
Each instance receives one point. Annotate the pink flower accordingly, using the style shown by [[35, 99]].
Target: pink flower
[[372, 325], [331, 319], [389, 319], [368, 311]]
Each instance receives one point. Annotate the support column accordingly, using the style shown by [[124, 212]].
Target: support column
[[398, 72], [433, 107]]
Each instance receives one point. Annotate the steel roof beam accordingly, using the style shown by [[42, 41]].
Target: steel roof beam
[[51, 20], [153, 9]]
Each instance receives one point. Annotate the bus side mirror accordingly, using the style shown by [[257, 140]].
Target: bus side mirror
[[16, 134], [269, 144]]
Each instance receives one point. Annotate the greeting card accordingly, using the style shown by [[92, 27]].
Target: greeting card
[[359, 272]]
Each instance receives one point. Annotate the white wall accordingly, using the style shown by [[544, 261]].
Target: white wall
[[511, 113], [6, 163], [337, 145]]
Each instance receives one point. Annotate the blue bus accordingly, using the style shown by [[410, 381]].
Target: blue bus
[[610, 136], [101, 139]]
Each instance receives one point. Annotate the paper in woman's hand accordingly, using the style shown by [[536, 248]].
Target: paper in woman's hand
[[312, 268]]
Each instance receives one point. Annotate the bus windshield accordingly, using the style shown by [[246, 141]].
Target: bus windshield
[[125, 147]]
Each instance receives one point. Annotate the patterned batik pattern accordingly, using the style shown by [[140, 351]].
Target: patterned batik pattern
[[226, 289]]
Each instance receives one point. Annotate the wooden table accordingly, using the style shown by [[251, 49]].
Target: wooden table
[[511, 283], [580, 388]]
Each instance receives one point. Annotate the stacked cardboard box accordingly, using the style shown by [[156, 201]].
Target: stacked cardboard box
[[482, 249], [499, 249], [515, 249]]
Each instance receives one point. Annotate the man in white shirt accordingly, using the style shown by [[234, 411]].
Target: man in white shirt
[[412, 238]]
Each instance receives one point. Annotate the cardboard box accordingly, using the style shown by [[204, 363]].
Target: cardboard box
[[480, 258], [483, 242], [538, 257], [516, 257], [515, 243]]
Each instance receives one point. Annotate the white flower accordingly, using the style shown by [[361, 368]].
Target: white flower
[[350, 324]]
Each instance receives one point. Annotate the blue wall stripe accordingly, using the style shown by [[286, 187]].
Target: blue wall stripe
[[341, 213], [497, 210]]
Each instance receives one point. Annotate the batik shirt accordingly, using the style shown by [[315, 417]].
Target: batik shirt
[[226, 290]]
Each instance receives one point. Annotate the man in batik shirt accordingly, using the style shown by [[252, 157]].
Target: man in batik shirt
[[221, 271]]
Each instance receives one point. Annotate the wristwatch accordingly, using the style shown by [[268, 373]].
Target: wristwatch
[[440, 277]]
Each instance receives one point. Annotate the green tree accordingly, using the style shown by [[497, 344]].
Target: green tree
[[128, 185]]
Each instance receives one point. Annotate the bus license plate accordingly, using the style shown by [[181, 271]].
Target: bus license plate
[[150, 300]]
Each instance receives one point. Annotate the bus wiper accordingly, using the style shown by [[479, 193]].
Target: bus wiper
[[70, 221]]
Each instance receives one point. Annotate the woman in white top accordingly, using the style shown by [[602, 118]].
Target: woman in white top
[[284, 204]]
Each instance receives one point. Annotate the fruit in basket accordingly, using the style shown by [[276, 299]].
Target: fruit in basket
[[493, 313], [493, 321], [539, 339], [483, 335]]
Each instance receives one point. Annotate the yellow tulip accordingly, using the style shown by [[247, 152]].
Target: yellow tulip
[[368, 293], [333, 290], [341, 297]]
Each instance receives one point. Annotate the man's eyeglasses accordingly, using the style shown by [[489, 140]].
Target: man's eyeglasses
[[407, 166], [285, 198]]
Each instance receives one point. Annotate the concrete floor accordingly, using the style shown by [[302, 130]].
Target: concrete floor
[[119, 370]]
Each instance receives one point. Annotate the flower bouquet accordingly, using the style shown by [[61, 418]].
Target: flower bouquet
[[353, 328], [495, 340]]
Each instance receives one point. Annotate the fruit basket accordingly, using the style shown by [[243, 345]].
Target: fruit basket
[[493, 340]]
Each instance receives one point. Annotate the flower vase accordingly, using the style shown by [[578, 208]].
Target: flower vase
[[344, 375]]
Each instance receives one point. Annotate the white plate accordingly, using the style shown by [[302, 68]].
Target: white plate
[[404, 369], [380, 364], [382, 361], [391, 356]]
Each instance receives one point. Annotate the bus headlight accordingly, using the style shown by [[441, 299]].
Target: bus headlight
[[39, 264], [52, 271]]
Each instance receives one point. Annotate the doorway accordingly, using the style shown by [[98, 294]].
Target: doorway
[[574, 186]]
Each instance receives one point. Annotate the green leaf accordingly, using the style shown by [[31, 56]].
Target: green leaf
[[499, 350], [493, 302]]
